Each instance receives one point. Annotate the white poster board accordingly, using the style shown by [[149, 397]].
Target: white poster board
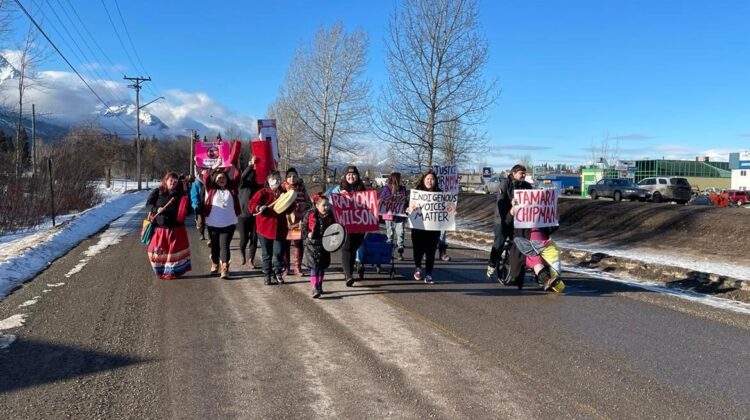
[[434, 211], [535, 208]]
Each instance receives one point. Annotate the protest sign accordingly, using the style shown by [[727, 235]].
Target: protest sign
[[432, 210], [394, 205], [265, 148], [486, 172], [535, 209], [207, 153], [447, 177], [357, 211]]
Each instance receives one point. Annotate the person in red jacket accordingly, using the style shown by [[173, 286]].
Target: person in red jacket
[[272, 227]]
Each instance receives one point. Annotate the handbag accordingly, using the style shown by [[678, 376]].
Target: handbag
[[147, 230]]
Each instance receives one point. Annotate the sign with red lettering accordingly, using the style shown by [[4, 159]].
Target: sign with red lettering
[[208, 153], [394, 205], [432, 210], [447, 177], [357, 211], [535, 209]]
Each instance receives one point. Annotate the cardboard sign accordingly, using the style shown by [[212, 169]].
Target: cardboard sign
[[447, 177], [394, 205], [208, 153], [535, 208], [432, 210], [357, 211]]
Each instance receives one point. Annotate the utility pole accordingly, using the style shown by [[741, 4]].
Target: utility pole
[[33, 139], [193, 134], [137, 86]]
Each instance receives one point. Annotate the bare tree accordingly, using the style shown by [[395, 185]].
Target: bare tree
[[457, 143], [526, 161], [296, 147], [31, 55], [327, 90], [435, 55]]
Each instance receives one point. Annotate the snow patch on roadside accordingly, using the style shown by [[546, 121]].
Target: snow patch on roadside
[[701, 298], [30, 302], [704, 299], [111, 236], [22, 259], [737, 271], [13, 321], [55, 284]]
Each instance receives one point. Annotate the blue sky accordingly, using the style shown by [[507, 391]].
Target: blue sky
[[662, 78]]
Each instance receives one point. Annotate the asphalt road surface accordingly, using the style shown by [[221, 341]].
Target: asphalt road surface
[[115, 342]]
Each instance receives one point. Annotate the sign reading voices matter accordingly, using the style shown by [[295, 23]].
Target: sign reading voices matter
[[535, 209], [357, 211], [432, 210]]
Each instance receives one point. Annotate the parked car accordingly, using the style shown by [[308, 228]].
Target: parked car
[[618, 188], [740, 197], [664, 188], [488, 185]]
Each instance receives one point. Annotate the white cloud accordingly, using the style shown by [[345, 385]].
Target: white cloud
[[62, 98]]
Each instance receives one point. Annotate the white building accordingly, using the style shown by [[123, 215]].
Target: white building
[[739, 164]]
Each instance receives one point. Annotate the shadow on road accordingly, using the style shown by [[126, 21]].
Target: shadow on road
[[30, 363]]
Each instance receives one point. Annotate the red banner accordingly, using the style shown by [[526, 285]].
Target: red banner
[[264, 152], [357, 211]]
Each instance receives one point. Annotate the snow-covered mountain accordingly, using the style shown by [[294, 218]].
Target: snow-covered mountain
[[7, 71], [149, 122]]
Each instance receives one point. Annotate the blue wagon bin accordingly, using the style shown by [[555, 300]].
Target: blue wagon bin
[[374, 251]]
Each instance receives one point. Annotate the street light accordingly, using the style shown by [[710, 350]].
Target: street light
[[138, 135]]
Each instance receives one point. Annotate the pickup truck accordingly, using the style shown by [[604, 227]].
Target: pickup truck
[[738, 196]]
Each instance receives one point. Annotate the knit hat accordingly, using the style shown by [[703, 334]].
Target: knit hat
[[290, 170], [351, 169]]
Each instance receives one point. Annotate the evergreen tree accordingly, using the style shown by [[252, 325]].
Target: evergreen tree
[[26, 153], [6, 143]]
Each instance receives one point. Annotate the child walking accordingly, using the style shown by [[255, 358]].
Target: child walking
[[316, 257]]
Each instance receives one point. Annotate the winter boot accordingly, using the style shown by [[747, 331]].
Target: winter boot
[[214, 268], [224, 270], [267, 279], [279, 277], [298, 261]]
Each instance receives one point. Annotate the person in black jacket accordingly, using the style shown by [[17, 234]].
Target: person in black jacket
[[504, 218], [246, 221], [169, 249]]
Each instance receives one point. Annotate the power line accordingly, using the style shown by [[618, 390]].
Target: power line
[[108, 90], [31, 18], [83, 38], [85, 28], [117, 33], [135, 50]]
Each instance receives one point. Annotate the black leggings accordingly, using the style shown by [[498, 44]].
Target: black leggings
[[349, 252], [248, 234], [220, 240], [425, 243]]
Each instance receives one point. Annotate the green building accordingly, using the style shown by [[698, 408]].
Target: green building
[[700, 173]]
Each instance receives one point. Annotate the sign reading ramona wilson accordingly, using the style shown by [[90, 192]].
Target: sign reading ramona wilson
[[535, 209]]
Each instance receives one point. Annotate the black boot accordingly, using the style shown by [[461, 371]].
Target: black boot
[[279, 278], [267, 279]]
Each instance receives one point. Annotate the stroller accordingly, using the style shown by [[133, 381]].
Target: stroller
[[375, 251]]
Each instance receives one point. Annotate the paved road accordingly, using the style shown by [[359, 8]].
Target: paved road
[[114, 342]]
